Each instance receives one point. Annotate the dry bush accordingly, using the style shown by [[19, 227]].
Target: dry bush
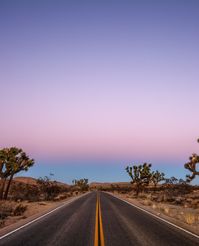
[[190, 218], [2, 222], [149, 196], [146, 202], [154, 206], [62, 196], [49, 189], [142, 196], [19, 209], [22, 191], [8, 208], [123, 189], [166, 210]]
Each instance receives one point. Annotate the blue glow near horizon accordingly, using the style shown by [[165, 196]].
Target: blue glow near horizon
[[96, 172]]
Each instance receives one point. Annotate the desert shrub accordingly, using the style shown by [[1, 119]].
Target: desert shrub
[[19, 209], [183, 189], [17, 191], [50, 189], [62, 196], [6, 209], [166, 210], [189, 218], [146, 202], [10, 209], [2, 222], [21, 191], [32, 193], [81, 184], [172, 193]]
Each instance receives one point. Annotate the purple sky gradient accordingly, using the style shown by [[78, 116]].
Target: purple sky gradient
[[107, 81]]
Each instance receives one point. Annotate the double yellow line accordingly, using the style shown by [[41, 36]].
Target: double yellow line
[[99, 234]]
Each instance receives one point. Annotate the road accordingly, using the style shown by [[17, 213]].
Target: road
[[99, 219]]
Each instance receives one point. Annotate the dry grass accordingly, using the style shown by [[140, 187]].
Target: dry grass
[[163, 208], [154, 206], [19, 209], [190, 218], [146, 202], [166, 210], [8, 209]]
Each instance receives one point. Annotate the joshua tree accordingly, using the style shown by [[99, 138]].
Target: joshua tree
[[182, 182], [81, 183], [12, 161], [191, 166], [140, 175], [157, 177], [3, 171], [171, 181], [174, 180]]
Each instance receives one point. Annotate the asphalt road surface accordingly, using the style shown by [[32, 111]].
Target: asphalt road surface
[[77, 224]]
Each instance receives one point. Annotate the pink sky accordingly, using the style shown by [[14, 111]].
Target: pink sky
[[116, 81]]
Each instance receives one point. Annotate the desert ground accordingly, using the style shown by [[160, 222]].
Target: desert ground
[[176, 203], [28, 198]]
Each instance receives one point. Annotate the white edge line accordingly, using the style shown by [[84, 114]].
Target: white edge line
[[166, 221], [40, 217]]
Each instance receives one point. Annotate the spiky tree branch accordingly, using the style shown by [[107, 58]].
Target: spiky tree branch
[[191, 166], [157, 177], [81, 183], [12, 161], [140, 175]]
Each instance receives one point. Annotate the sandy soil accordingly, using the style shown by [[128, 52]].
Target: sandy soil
[[32, 208]]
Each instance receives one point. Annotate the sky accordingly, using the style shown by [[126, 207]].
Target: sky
[[89, 87]]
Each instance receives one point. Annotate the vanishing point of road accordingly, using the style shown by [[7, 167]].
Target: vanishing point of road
[[99, 219]]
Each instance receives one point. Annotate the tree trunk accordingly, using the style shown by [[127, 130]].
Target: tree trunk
[[137, 189], [8, 186], [3, 181]]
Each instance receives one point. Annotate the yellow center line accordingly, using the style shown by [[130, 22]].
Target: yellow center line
[[101, 226], [99, 234], [96, 224]]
